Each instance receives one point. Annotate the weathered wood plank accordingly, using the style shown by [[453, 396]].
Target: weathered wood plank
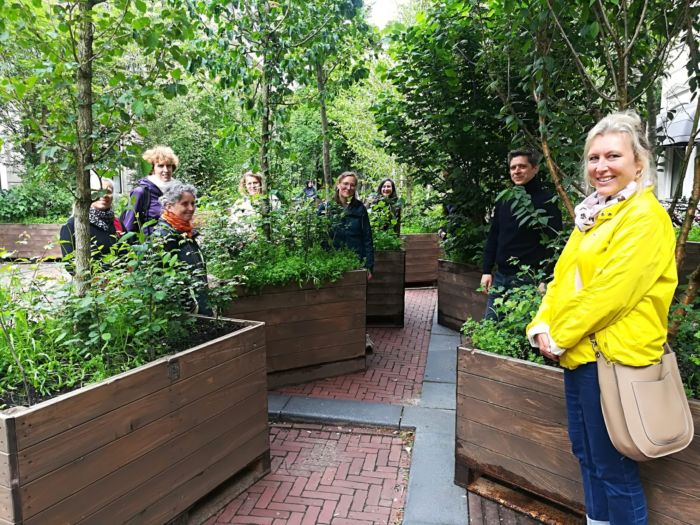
[[175, 503], [138, 447], [305, 374], [30, 240], [672, 503], [348, 346], [37, 423], [524, 447], [516, 398], [144, 416], [671, 483], [677, 475], [541, 378], [543, 427], [656, 518], [271, 302], [152, 472], [542, 482], [130, 506], [279, 334], [422, 253], [313, 343]]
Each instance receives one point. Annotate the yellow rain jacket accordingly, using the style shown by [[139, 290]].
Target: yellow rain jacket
[[626, 280]]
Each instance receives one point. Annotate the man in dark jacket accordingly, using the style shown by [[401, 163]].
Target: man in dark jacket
[[510, 244]]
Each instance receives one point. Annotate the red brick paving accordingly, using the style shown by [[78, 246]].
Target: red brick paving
[[395, 370], [328, 475]]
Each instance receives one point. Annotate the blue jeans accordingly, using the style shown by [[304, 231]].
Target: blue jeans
[[611, 481], [505, 282]]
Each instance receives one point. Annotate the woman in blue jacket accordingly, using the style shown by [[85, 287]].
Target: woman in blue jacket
[[351, 229]]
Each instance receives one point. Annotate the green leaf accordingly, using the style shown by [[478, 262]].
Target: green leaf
[[141, 23]]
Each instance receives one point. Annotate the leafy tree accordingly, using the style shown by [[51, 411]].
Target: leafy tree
[[356, 125], [80, 89], [192, 125], [441, 121], [335, 59], [576, 61]]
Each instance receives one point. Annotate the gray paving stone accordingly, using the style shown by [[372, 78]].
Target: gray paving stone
[[430, 420], [438, 395], [441, 367], [433, 498], [438, 329], [300, 408], [275, 404], [443, 343]]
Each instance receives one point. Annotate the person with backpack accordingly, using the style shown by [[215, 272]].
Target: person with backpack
[[144, 204]]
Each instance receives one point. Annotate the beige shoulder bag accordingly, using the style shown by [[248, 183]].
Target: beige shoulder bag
[[645, 408]]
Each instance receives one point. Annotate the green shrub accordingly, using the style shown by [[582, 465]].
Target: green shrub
[[519, 305], [384, 223], [52, 340], [686, 345], [515, 309], [35, 201], [422, 219], [294, 251]]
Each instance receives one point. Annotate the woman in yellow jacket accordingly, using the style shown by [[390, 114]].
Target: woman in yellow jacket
[[611, 292]]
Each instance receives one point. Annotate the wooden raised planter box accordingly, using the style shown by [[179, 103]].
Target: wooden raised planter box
[[458, 299], [385, 291], [143, 446], [311, 332], [511, 426], [29, 241], [422, 253]]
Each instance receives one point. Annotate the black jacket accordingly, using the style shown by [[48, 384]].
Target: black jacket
[[101, 240], [352, 230], [188, 252], [507, 239]]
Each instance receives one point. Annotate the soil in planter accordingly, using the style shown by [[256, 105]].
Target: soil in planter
[[203, 330]]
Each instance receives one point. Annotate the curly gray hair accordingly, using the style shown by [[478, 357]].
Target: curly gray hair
[[173, 193]]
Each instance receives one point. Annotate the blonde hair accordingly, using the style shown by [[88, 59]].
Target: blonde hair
[[161, 155], [629, 123], [241, 184]]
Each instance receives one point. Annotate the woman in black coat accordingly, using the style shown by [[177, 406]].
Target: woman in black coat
[[175, 230], [353, 229], [105, 227]]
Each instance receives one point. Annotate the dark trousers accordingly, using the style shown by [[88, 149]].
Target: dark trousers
[[504, 282], [611, 481]]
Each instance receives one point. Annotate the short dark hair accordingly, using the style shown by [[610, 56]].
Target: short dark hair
[[532, 156]]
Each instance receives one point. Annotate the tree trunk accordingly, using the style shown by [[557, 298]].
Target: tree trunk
[[265, 133], [321, 85], [554, 173], [83, 149], [689, 215]]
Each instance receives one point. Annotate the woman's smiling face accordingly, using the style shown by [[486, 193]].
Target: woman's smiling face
[[611, 164], [387, 188], [346, 187]]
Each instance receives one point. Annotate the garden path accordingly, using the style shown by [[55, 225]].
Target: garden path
[[353, 466], [395, 370]]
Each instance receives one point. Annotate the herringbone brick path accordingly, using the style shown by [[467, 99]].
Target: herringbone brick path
[[329, 475], [395, 370]]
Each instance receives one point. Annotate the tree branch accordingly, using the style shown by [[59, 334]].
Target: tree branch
[[582, 69]]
